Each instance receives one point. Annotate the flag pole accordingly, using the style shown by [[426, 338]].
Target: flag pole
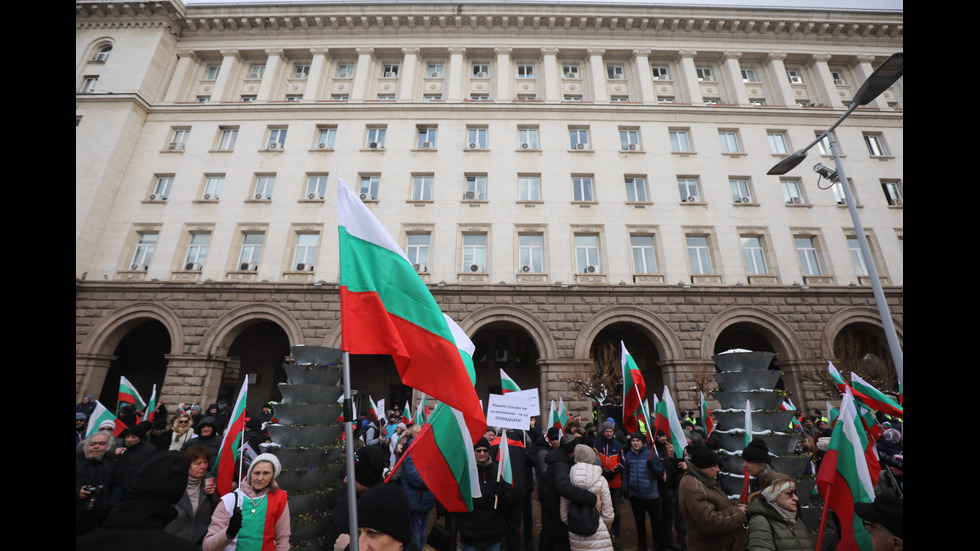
[[349, 449], [823, 517]]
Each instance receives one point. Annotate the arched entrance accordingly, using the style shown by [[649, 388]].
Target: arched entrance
[[140, 357], [504, 345], [606, 352], [257, 352], [863, 349]]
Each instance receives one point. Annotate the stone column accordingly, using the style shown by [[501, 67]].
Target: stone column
[[678, 375], [863, 70], [91, 370], [556, 375], [641, 68], [504, 75], [187, 65], [600, 93], [192, 378], [552, 75], [456, 75], [316, 78], [688, 77], [229, 62], [780, 83], [272, 76], [406, 80], [731, 73], [822, 84], [363, 71]]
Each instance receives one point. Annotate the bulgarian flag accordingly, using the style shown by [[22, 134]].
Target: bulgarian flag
[[507, 385], [667, 422], [552, 421], [709, 425], [506, 470], [832, 413], [634, 389], [374, 408], [744, 498], [151, 406], [229, 454], [875, 399], [847, 475], [100, 415], [795, 422], [385, 308], [128, 393], [836, 376], [407, 414], [561, 415]]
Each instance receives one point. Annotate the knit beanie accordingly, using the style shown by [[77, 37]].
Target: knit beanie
[[703, 457], [584, 454], [159, 422], [162, 478], [140, 430], [385, 508], [637, 434], [276, 466], [79, 416], [608, 425], [369, 465], [757, 452], [568, 443]]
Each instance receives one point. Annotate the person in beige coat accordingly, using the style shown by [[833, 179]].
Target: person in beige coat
[[587, 474]]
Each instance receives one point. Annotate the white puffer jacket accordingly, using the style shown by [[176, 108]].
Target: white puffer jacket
[[589, 476]]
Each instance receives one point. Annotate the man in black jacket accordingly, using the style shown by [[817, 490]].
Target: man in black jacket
[[553, 484]]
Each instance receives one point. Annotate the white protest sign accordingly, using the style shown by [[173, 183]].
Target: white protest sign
[[531, 395], [507, 412]]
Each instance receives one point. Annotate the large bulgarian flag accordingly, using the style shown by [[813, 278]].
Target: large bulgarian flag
[[634, 390], [128, 393], [874, 398], [848, 474], [507, 385], [229, 454], [666, 421], [100, 415]]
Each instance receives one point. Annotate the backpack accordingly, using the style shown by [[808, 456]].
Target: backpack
[[583, 520]]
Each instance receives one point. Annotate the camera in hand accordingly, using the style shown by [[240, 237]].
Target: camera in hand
[[94, 491]]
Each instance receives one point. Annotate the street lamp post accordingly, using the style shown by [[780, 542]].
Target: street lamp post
[[880, 80]]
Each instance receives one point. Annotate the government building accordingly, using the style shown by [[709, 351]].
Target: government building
[[563, 176]]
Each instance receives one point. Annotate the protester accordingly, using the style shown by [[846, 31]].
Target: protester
[[182, 431], [86, 406], [756, 461], [81, 426], [137, 451], [96, 489], [774, 517], [484, 528], [198, 501], [669, 510], [207, 436], [421, 501], [713, 522], [884, 521], [585, 474], [255, 516], [382, 520], [160, 435], [553, 484], [642, 471], [610, 453], [368, 468], [519, 459]]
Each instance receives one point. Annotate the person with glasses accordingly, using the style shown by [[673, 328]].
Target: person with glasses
[[883, 519], [182, 432], [485, 528], [774, 517]]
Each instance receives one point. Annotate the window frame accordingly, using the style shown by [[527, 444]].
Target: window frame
[[678, 145], [633, 185], [227, 136], [277, 137], [754, 254], [426, 134], [438, 68], [484, 73], [253, 250], [345, 71], [309, 251], [575, 134], [778, 142], [875, 142], [477, 184], [615, 72], [789, 185], [647, 257], [256, 71], [211, 72], [263, 188], [103, 53], [143, 250], [301, 70], [660, 72], [316, 185], [684, 186], [700, 252], [893, 192], [212, 187], [196, 252], [741, 188], [704, 74], [481, 135], [527, 138], [629, 137], [375, 135], [475, 251], [88, 84], [415, 250], [369, 184], [525, 70], [589, 250], [795, 76], [530, 254], [422, 186], [326, 137], [390, 70], [160, 190], [730, 142], [529, 187], [808, 256], [749, 76], [570, 70], [583, 188]]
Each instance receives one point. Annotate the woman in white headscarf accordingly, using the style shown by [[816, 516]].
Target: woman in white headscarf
[[774, 518]]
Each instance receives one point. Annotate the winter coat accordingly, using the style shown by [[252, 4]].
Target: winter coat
[[486, 525], [217, 539], [638, 480], [589, 477], [190, 525], [713, 522], [420, 498], [610, 454], [768, 531], [554, 483], [94, 473], [135, 524], [131, 459], [177, 439]]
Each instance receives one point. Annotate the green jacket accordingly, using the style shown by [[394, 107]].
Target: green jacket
[[769, 532]]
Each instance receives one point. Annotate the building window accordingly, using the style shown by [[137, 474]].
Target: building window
[[527, 138], [161, 188], [301, 71], [277, 138], [629, 139], [481, 70], [227, 138], [525, 71], [824, 144], [422, 187], [582, 189], [249, 98], [689, 190], [854, 246], [615, 72], [876, 145], [699, 254], [369, 187], [178, 140], [806, 251], [578, 138], [667, 99], [794, 76], [316, 187], [417, 250], [197, 250], [792, 192], [212, 71], [741, 190], [386, 97], [251, 253], [294, 97], [531, 252], [256, 71], [636, 189], [476, 137], [572, 97], [426, 137], [389, 70], [146, 243], [325, 137], [729, 141], [432, 97], [435, 70], [345, 70], [838, 77], [704, 74], [527, 97], [777, 143], [660, 73], [212, 188], [748, 75], [475, 188], [587, 254], [839, 193], [202, 99], [893, 192], [479, 97], [758, 102], [644, 254], [263, 187], [619, 99], [339, 97], [103, 54], [680, 141], [88, 85], [754, 255], [375, 137], [569, 71], [474, 252], [304, 258], [529, 188]]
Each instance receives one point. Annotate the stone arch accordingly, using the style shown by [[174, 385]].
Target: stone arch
[[332, 338], [537, 330], [104, 336], [783, 338], [667, 344], [219, 338], [849, 316]]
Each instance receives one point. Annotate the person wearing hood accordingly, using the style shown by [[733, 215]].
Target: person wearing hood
[[255, 516], [136, 452], [81, 426], [585, 474], [774, 517], [160, 435], [207, 436], [181, 431]]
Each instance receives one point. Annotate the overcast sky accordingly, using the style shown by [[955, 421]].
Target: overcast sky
[[854, 4]]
